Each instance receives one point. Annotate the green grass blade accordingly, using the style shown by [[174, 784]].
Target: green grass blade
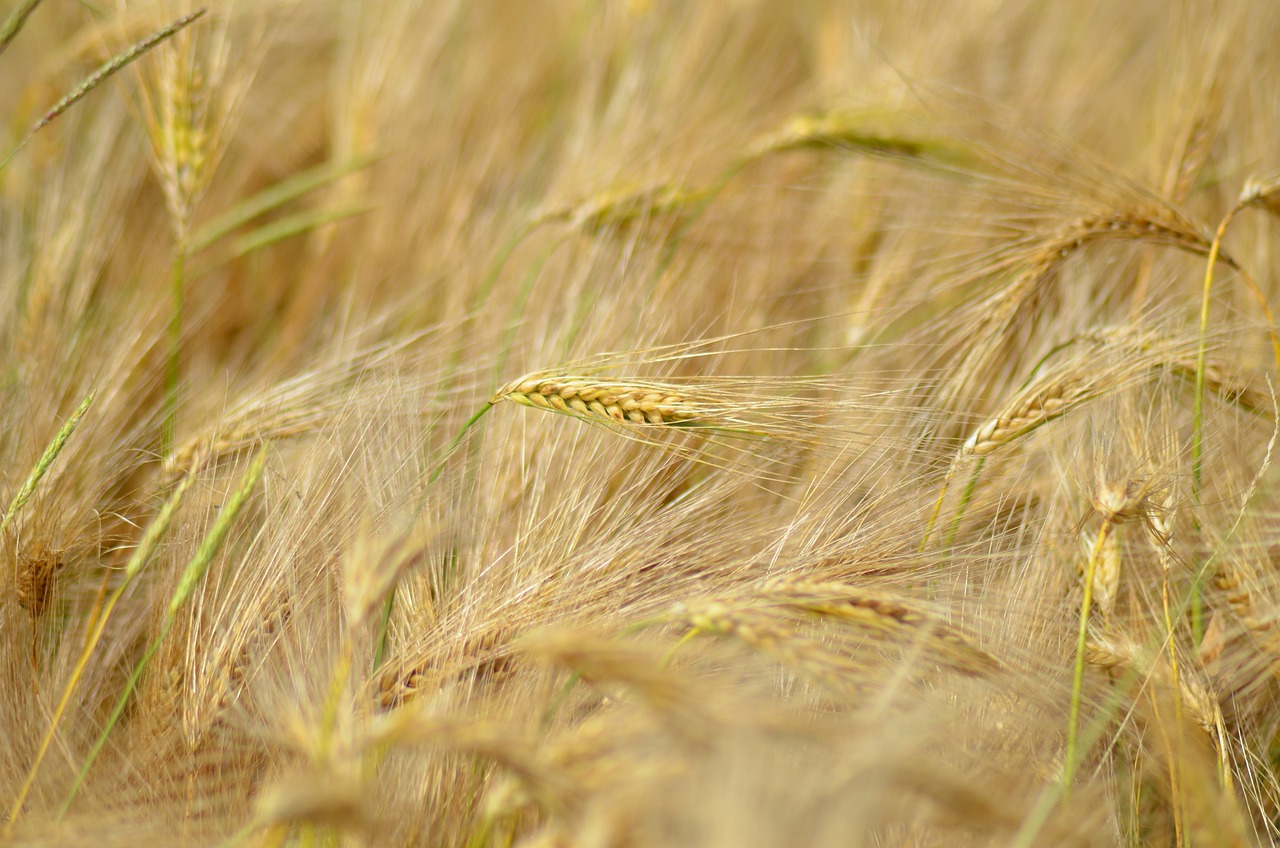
[[45, 462], [273, 197], [14, 23]]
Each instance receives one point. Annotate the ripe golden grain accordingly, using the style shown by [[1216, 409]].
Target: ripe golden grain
[[629, 403]]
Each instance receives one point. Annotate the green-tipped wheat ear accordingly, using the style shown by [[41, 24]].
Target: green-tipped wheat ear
[[856, 131], [137, 561], [644, 404], [628, 206], [46, 460], [187, 584], [114, 65], [881, 612], [14, 23]]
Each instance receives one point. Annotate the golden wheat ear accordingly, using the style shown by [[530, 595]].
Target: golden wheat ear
[[609, 402]]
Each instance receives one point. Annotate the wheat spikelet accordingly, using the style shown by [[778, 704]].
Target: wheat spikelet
[[627, 206], [1158, 224], [859, 131], [1125, 655], [771, 634], [884, 612], [485, 655], [1106, 574], [643, 404], [1264, 193], [1045, 400], [37, 571]]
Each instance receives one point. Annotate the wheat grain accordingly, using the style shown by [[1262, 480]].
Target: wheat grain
[[626, 206], [863, 132], [771, 634], [1121, 654], [1045, 400], [884, 612], [37, 570], [621, 402]]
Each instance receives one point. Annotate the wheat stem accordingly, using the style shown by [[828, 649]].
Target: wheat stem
[[173, 371], [1077, 677]]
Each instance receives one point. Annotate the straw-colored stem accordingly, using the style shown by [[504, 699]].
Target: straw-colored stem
[[1176, 746], [1072, 762], [937, 510]]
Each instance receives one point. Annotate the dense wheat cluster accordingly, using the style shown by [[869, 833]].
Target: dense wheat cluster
[[912, 480]]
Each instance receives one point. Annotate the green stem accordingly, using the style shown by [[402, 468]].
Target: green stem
[[384, 625], [965, 498], [1077, 678], [173, 373], [121, 703]]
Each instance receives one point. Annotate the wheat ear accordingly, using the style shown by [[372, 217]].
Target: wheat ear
[[882, 612], [613, 402], [45, 462]]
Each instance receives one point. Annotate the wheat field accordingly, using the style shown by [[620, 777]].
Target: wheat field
[[640, 423]]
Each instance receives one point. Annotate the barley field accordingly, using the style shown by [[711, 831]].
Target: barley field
[[598, 423]]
